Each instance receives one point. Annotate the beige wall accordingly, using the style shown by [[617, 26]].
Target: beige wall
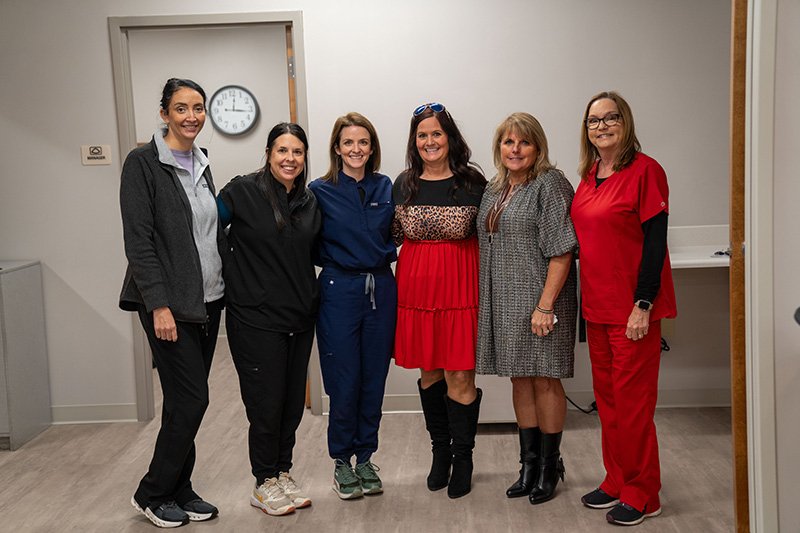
[[482, 59]]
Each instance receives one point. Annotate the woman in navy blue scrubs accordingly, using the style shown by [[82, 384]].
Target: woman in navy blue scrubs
[[358, 300]]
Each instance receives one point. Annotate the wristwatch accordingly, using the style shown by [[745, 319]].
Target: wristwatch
[[644, 305]]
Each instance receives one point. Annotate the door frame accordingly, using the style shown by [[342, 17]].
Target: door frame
[[754, 32], [118, 28], [739, 403]]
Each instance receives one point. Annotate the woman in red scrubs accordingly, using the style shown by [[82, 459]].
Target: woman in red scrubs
[[620, 215]]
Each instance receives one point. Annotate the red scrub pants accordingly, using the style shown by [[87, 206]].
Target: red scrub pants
[[625, 377]]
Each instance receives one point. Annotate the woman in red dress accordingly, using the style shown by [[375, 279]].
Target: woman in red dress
[[437, 199]]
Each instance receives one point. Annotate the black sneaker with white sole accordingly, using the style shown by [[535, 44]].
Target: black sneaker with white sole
[[199, 510], [599, 499], [165, 515], [624, 515]]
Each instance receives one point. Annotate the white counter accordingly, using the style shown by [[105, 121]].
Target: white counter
[[697, 246]]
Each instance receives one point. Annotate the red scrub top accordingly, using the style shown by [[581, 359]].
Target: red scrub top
[[608, 221]]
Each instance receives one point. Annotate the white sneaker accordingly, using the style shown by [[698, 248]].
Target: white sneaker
[[270, 498], [292, 491]]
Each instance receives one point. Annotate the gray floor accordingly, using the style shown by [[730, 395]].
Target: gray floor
[[81, 477]]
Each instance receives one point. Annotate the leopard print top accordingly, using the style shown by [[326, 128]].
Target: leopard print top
[[433, 222], [435, 214]]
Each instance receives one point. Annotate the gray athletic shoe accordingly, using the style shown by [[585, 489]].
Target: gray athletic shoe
[[199, 510], [167, 514]]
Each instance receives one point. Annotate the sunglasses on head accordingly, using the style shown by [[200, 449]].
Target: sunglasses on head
[[436, 107]]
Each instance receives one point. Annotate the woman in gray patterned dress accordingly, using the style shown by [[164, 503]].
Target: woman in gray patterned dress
[[528, 304]]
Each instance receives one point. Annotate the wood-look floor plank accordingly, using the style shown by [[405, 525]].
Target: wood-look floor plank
[[81, 477]]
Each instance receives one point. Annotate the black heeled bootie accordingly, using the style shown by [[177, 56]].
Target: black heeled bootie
[[529, 442], [463, 427], [435, 411], [551, 467]]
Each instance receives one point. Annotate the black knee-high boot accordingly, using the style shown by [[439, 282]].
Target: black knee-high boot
[[463, 427], [551, 467], [435, 411], [529, 442]]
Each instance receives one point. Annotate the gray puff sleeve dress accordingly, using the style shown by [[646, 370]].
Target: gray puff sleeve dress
[[533, 227]]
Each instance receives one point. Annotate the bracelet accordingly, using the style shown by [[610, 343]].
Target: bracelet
[[544, 311]]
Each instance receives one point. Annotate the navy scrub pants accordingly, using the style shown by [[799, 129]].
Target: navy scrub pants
[[183, 368], [355, 336], [272, 368]]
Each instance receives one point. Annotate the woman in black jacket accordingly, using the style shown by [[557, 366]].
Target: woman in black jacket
[[272, 304], [173, 243]]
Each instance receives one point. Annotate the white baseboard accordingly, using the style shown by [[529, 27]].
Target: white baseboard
[[409, 403], [93, 414]]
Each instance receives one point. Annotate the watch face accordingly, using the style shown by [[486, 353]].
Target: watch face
[[233, 110]]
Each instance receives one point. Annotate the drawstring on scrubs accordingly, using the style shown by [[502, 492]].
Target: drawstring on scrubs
[[369, 288]]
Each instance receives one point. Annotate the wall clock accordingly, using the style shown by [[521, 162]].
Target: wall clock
[[234, 110]]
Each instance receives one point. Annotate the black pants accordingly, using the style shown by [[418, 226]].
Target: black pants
[[272, 370], [183, 368]]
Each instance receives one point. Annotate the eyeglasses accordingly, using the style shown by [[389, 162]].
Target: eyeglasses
[[610, 120], [436, 107]]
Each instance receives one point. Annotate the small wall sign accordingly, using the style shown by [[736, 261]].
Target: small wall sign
[[96, 154]]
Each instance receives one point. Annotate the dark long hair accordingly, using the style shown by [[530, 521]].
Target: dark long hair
[[467, 174], [173, 84], [264, 178]]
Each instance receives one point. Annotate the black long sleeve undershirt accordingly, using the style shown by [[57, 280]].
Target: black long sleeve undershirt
[[654, 251]]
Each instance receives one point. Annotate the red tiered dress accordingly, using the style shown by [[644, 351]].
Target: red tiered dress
[[437, 278]]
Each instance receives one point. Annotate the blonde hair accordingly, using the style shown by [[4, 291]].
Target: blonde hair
[[526, 126], [629, 145], [345, 121]]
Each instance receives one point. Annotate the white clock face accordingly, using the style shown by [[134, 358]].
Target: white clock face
[[233, 110]]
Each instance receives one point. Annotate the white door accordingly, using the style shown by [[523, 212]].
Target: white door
[[786, 261], [253, 56]]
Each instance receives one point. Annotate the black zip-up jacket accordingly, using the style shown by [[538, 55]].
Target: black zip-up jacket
[[163, 263], [270, 281]]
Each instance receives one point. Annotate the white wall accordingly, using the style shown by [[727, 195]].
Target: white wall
[[482, 59], [787, 260]]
